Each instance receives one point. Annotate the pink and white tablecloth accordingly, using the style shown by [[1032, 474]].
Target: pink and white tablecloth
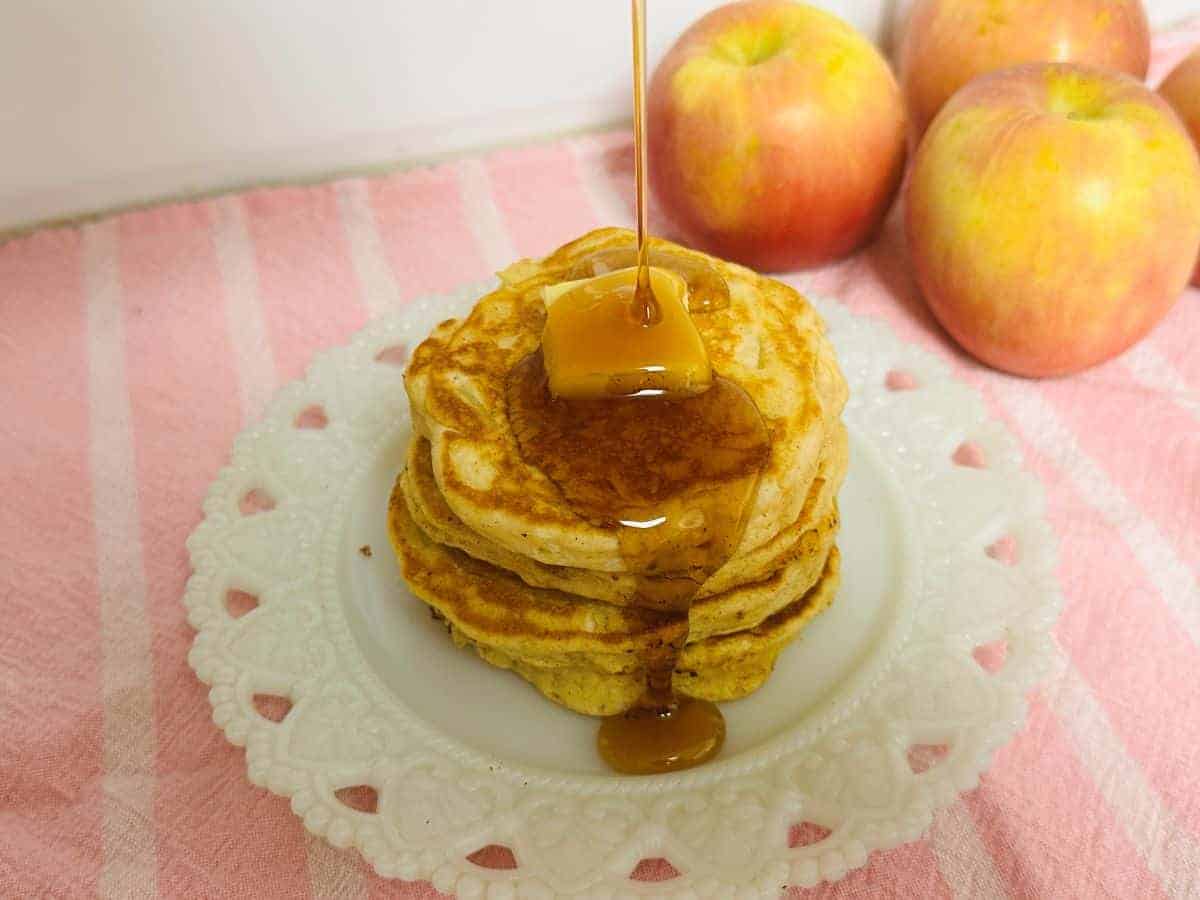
[[132, 351]]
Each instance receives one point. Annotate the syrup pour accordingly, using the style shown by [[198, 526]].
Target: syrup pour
[[594, 346], [674, 477], [646, 308], [673, 471], [707, 289]]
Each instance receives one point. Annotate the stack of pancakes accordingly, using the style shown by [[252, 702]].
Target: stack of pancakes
[[488, 542]]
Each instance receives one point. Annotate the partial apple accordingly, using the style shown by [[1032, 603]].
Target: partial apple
[[1053, 216], [946, 43], [1182, 90], [776, 135]]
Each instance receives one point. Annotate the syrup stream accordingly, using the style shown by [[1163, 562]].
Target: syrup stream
[[645, 306]]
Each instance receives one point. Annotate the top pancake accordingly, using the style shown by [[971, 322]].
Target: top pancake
[[768, 340]]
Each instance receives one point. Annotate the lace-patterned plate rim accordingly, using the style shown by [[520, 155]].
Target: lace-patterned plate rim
[[294, 644]]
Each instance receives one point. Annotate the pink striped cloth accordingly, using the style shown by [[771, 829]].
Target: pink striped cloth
[[133, 350]]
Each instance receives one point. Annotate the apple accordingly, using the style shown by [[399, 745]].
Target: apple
[[1182, 90], [946, 43], [776, 135], [1053, 216]]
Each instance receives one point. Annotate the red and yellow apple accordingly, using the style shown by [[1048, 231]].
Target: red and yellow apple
[[776, 135], [1053, 216], [1182, 90], [946, 43]]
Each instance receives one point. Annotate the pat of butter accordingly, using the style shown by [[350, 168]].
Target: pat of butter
[[594, 345]]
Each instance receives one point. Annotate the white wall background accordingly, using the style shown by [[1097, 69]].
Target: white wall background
[[105, 104]]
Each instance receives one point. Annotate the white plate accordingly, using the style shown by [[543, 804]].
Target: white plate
[[462, 756]]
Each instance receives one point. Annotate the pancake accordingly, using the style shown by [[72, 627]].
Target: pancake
[[768, 340], [717, 669], [578, 651], [437, 520], [493, 605]]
